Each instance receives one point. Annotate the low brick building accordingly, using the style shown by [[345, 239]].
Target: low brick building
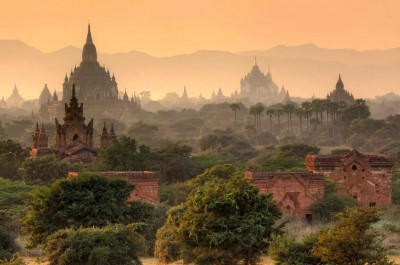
[[146, 183], [366, 177], [294, 192]]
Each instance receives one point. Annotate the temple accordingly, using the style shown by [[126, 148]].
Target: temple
[[73, 137], [340, 94], [15, 100], [259, 86], [95, 86], [365, 177], [294, 192]]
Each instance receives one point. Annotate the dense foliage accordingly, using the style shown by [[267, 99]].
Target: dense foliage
[[11, 157], [85, 201], [285, 250], [223, 221], [44, 169], [111, 245], [350, 240], [332, 203], [125, 154]]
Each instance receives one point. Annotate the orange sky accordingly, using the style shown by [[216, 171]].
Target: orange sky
[[169, 27]]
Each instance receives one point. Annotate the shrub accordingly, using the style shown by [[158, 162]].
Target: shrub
[[7, 244], [111, 245], [284, 250]]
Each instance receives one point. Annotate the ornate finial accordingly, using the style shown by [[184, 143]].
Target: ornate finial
[[340, 78], [269, 69], [73, 90], [89, 35], [255, 61]]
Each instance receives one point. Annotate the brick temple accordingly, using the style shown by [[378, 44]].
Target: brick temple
[[366, 177], [294, 192]]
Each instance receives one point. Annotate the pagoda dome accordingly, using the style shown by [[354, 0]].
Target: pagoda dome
[[89, 53]]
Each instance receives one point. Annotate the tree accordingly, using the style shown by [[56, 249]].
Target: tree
[[289, 108], [86, 201], [315, 122], [111, 245], [44, 169], [11, 157], [350, 240], [300, 114], [235, 107], [285, 250], [270, 112], [307, 108], [300, 150], [124, 154], [257, 111], [227, 222], [332, 203], [168, 243], [359, 110], [278, 113], [172, 161], [8, 246]]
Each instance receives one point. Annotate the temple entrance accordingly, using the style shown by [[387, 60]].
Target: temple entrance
[[75, 138]]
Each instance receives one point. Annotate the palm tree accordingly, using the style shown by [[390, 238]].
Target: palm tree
[[315, 122], [270, 112], [259, 109], [235, 107], [316, 105], [289, 108], [278, 114], [307, 108], [300, 114], [253, 111]]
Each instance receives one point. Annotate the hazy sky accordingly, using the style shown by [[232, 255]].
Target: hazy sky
[[169, 27]]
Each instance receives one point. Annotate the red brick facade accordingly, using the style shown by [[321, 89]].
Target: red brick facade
[[368, 178], [146, 183], [294, 192]]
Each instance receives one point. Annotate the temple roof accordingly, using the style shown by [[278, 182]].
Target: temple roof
[[89, 53]]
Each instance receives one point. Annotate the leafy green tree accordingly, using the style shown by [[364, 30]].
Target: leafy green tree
[[396, 188], [11, 157], [111, 245], [350, 240], [285, 250], [125, 154], [359, 110], [14, 194], [332, 203], [280, 163], [226, 144], [172, 161], [44, 169], [300, 150], [86, 201], [227, 222], [168, 246]]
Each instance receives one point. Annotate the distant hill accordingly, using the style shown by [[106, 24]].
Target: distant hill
[[304, 70]]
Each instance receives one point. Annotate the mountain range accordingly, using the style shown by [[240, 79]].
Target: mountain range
[[304, 70]]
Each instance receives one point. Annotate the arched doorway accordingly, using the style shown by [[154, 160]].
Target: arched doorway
[[75, 138]]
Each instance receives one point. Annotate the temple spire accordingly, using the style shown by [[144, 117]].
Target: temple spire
[[255, 61], [89, 36], [73, 91]]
